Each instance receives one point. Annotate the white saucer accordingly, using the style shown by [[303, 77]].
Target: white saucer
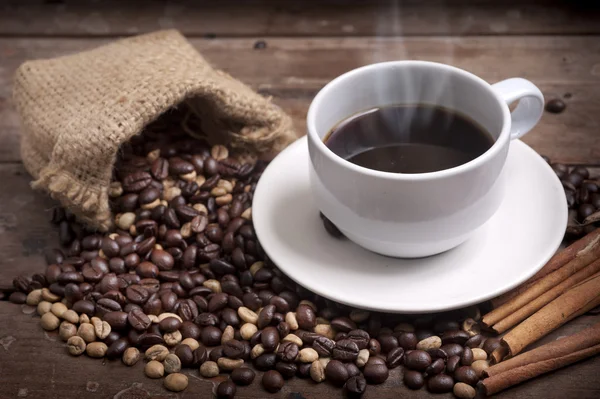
[[512, 246]]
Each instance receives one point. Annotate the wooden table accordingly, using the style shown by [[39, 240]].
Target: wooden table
[[555, 45]]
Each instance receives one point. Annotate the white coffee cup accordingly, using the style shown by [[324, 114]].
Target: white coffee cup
[[416, 215]]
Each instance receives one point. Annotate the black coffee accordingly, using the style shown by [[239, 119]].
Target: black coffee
[[408, 139]]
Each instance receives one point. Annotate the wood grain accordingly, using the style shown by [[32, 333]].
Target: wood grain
[[294, 18], [293, 70]]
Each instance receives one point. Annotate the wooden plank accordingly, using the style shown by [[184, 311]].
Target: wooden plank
[[274, 18], [294, 69]]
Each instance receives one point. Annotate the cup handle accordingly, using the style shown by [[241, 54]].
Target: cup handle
[[530, 107]]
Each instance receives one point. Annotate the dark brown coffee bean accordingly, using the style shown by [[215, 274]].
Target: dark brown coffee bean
[[190, 330], [148, 339], [211, 336], [137, 294], [18, 297], [345, 350], [303, 370], [136, 182], [441, 326], [117, 319], [185, 355], [466, 358], [265, 361], [287, 351], [69, 277], [455, 337], [417, 360], [162, 259], [186, 309], [139, 320], [211, 166], [452, 349], [394, 358], [208, 253], [440, 383], [53, 257], [375, 372], [178, 166], [169, 324], [287, 370], [360, 337], [356, 386], [272, 381], [265, 316], [324, 346], [160, 169], [306, 317], [555, 106], [490, 345], [270, 338], [413, 379], [408, 340], [215, 354], [584, 211], [115, 350], [243, 376], [467, 375], [86, 307], [474, 341], [423, 334], [452, 363], [388, 342], [113, 336], [336, 373], [226, 390], [434, 368], [374, 347], [200, 355]]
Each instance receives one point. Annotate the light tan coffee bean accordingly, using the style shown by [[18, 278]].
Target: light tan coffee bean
[[200, 179], [404, 327], [48, 296], [479, 354], [247, 315], [224, 199], [156, 352], [172, 338], [163, 316], [228, 335], [170, 193], [101, 328], [43, 307], [153, 155], [96, 349], [471, 327], [176, 382], [192, 343], [59, 309], [186, 230], [226, 184], [464, 391], [363, 357], [293, 338], [200, 208], [325, 330], [324, 361], [290, 319], [247, 214], [34, 297], [189, 176], [115, 189], [71, 316], [151, 205], [172, 364], [480, 366], [432, 342], [154, 369], [153, 318], [256, 266], [257, 350], [359, 316], [125, 220], [131, 356], [218, 191], [86, 331], [76, 345], [209, 369], [213, 285], [247, 331], [49, 321], [67, 330], [226, 364], [307, 355], [83, 318], [317, 371], [219, 152]]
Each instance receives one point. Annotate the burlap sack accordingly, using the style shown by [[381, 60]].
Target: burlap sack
[[77, 110]]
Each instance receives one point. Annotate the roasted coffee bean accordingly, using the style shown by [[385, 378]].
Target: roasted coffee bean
[[272, 381], [69, 277], [389, 342], [231, 317], [190, 330], [455, 337], [440, 383], [441, 326], [374, 347], [265, 316], [117, 348], [137, 294], [417, 360], [233, 349], [452, 349], [395, 358], [423, 334], [413, 379], [86, 307], [434, 368], [270, 338], [336, 373], [287, 370], [356, 386], [466, 358], [466, 374], [17, 297], [226, 390], [139, 320], [345, 350], [136, 182], [117, 319], [303, 370], [555, 106], [584, 211], [452, 363], [324, 346], [265, 362], [211, 336], [375, 372], [287, 351], [216, 353], [243, 376], [437, 353], [185, 355], [105, 305], [490, 345], [474, 341], [162, 259], [360, 337]]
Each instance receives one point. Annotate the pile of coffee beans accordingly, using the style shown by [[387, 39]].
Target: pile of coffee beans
[[182, 282], [583, 197]]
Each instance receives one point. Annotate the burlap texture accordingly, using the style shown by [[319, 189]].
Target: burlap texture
[[77, 110]]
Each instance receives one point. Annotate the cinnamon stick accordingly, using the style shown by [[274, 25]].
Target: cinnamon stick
[[571, 260], [546, 298], [561, 347], [517, 375], [574, 302]]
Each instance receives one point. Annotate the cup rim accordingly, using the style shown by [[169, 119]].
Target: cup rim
[[318, 144]]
